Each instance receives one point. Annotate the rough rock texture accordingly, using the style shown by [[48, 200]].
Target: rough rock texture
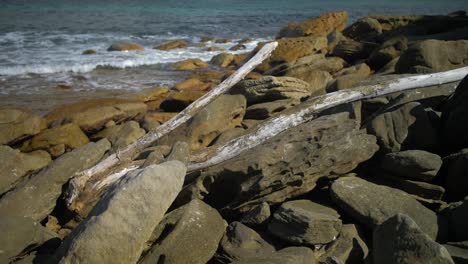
[[351, 50], [349, 77], [265, 110], [303, 222], [117, 228], [456, 214], [226, 112], [321, 25], [175, 44], [349, 247], [18, 124], [189, 234], [36, 197], [456, 177], [241, 242], [70, 135], [404, 127], [124, 46], [257, 215], [222, 59], [121, 135], [290, 255], [363, 28], [372, 204], [433, 56], [289, 165], [399, 240], [271, 88], [190, 64], [177, 102], [413, 164], [14, 165]]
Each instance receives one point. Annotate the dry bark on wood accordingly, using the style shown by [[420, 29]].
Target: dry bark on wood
[[127, 154]]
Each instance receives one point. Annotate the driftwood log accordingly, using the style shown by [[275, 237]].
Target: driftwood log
[[126, 155]]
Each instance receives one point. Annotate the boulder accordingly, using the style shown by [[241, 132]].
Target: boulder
[[14, 165], [351, 50], [433, 56], [458, 252], [265, 110], [289, 164], [122, 135], [16, 125], [192, 84], [175, 44], [190, 64], [225, 112], [257, 215], [388, 51], [349, 247], [413, 164], [303, 222], [178, 101], [222, 60], [403, 127], [373, 204], [70, 135], [348, 77], [321, 25], [456, 215], [400, 240], [290, 255], [180, 151], [125, 46], [37, 197], [241, 242], [229, 135], [456, 175], [366, 28], [189, 234], [271, 88], [118, 227]]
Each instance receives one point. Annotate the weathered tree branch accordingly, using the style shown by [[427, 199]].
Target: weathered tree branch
[[127, 154], [309, 110]]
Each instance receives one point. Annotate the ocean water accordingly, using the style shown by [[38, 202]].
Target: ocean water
[[41, 41]]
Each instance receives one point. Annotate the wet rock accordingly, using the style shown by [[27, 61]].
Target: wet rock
[[189, 234], [14, 165], [175, 44], [290, 255], [289, 165], [349, 247], [121, 135], [400, 240], [433, 56], [404, 127], [351, 50], [238, 47], [222, 59], [303, 222], [89, 52], [257, 215], [104, 238], [363, 28], [271, 88], [190, 64], [413, 164], [192, 84], [373, 204], [265, 110], [321, 25], [16, 125], [241, 242], [456, 176], [125, 46], [70, 135], [178, 101]]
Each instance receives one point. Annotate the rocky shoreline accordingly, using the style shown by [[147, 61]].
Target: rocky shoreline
[[380, 180]]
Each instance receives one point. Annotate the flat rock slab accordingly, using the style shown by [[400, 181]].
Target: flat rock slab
[[118, 227], [413, 164], [17, 124], [290, 255], [372, 204]]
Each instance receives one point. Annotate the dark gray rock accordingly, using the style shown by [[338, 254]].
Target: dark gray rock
[[363, 28], [290, 255], [303, 222], [372, 204], [413, 164], [399, 240], [456, 177], [458, 251], [257, 215], [457, 215]]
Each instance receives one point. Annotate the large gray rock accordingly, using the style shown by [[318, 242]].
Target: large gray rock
[[303, 66], [433, 56], [37, 197], [363, 28], [290, 255], [265, 110], [456, 175], [286, 165], [303, 222], [121, 135], [351, 50], [458, 251], [405, 127], [271, 88], [349, 77], [14, 165], [413, 164], [257, 215], [241, 242], [118, 227], [18, 124], [399, 240], [388, 51], [189, 234], [373, 204]]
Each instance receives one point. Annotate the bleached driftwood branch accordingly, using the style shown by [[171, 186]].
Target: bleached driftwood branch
[[130, 152], [309, 110]]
